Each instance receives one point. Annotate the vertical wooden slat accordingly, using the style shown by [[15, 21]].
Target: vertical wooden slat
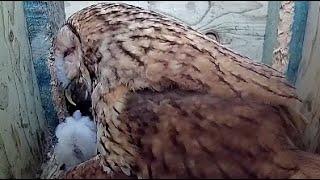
[[21, 115], [44, 18], [297, 39], [271, 31], [280, 57], [284, 36]]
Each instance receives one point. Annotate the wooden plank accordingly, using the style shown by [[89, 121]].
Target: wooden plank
[[280, 57], [284, 36], [271, 32], [43, 21], [240, 25], [21, 114], [296, 44], [308, 78]]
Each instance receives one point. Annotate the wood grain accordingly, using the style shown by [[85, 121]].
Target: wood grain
[[281, 51], [21, 114]]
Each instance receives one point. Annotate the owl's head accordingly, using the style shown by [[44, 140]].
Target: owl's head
[[71, 71]]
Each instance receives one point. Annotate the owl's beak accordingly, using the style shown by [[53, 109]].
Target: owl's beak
[[67, 94], [76, 92]]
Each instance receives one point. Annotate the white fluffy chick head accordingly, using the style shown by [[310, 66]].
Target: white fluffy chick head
[[76, 140]]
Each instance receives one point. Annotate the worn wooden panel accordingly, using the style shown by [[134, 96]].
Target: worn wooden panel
[[44, 18], [240, 25], [281, 51], [308, 78], [297, 39], [21, 114]]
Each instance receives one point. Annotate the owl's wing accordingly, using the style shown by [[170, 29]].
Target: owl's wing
[[92, 169], [186, 134], [179, 134]]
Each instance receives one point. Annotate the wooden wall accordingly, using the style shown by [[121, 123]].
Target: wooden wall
[[21, 114], [44, 19], [239, 25], [308, 77]]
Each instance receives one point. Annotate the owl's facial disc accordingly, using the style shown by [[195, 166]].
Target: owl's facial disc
[[67, 55], [70, 69]]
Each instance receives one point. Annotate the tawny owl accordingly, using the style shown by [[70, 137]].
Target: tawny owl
[[171, 102]]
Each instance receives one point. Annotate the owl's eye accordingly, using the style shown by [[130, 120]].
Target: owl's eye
[[68, 51]]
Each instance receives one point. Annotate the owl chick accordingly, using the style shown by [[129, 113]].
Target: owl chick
[[76, 140], [171, 102]]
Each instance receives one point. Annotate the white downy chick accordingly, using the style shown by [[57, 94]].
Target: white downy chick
[[77, 140]]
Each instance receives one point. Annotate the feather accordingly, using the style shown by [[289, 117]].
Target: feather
[[61, 74]]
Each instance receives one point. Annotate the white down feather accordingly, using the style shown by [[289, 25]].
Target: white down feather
[[76, 140], [61, 73]]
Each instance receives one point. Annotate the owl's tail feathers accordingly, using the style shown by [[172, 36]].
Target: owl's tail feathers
[[91, 169]]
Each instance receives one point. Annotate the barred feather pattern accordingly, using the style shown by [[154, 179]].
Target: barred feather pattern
[[126, 52]]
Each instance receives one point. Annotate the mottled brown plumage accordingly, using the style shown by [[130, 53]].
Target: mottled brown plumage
[[171, 102], [92, 169], [181, 134]]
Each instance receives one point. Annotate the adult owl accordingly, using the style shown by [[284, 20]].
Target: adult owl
[[169, 102]]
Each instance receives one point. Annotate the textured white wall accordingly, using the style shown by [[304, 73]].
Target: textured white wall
[[240, 25]]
